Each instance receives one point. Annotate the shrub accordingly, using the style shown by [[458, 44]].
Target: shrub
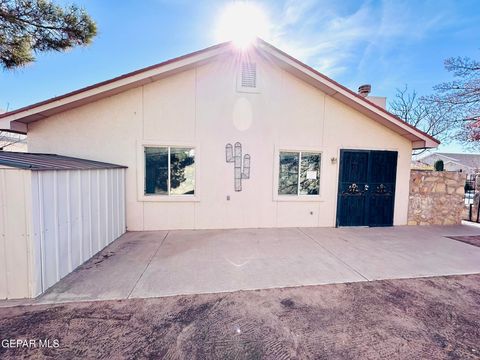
[[438, 165]]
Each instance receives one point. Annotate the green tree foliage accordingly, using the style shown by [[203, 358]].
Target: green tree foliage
[[179, 161], [438, 166], [31, 26]]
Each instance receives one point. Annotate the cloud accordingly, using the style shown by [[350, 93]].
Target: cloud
[[320, 35], [294, 11], [336, 36]]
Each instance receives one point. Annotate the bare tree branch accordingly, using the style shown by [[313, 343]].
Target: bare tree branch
[[460, 99], [416, 111], [452, 112], [8, 139]]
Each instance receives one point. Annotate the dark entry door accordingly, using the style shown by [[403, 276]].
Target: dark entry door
[[366, 189]]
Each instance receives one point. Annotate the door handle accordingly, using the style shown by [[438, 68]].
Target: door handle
[[366, 187]]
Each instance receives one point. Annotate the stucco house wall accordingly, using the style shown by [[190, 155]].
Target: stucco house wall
[[202, 108]]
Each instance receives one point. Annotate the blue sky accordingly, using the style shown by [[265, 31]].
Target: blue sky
[[385, 43]]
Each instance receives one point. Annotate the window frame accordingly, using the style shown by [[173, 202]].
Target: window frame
[[141, 173], [276, 179]]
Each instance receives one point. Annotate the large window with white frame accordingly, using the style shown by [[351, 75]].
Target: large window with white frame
[[299, 173], [169, 170]]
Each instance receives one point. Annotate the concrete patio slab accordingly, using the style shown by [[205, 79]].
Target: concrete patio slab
[[111, 274], [227, 260], [160, 263], [401, 252]]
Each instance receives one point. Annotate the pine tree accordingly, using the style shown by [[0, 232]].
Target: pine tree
[[28, 27]]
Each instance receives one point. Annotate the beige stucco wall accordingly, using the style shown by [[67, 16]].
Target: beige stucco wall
[[202, 108]]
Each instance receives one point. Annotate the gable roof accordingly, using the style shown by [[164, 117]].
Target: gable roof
[[18, 119], [38, 161], [468, 160]]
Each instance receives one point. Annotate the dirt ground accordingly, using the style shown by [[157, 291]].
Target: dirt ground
[[472, 240], [429, 318]]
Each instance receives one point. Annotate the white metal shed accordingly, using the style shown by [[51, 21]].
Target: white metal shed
[[56, 212]]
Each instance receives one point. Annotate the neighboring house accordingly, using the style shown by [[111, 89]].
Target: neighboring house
[[418, 165], [225, 138], [467, 163], [13, 142]]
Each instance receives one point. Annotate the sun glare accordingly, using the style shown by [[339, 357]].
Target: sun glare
[[242, 22]]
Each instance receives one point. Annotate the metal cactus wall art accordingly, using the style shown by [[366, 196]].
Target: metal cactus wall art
[[241, 165]]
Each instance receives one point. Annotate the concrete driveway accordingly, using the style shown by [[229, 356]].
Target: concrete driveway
[[163, 263]]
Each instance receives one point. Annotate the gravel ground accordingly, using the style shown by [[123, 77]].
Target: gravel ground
[[429, 318]]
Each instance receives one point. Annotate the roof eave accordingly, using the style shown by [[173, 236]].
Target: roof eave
[[17, 120], [420, 140], [12, 121], [424, 144]]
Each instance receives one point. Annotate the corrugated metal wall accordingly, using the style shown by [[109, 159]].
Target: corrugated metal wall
[[76, 214], [16, 265]]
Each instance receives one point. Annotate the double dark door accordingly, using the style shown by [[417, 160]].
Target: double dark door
[[366, 190]]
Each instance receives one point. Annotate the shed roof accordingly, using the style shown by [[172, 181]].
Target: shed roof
[[38, 161]]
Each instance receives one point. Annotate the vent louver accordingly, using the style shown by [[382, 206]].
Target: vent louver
[[249, 75]]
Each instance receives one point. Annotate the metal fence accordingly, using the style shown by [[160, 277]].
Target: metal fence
[[475, 217], [469, 191], [469, 199]]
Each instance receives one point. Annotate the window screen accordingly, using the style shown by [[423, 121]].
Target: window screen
[[299, 173], [169, 171]]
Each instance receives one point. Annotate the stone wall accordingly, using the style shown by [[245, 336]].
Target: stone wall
[[436, 197]]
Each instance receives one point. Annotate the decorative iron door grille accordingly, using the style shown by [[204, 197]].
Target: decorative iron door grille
[[366, 189]]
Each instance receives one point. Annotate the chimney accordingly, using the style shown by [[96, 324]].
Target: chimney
[[364, 90]]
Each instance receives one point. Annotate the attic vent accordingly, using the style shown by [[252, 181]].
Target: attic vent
[[249, 75]]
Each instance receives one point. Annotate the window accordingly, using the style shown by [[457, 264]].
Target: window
[[299, 173], [169, 171]]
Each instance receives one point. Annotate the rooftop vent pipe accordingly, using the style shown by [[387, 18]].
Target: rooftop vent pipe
[[364, 90]]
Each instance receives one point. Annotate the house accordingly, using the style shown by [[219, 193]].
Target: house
[[467, 163], [230, 138], [418, 165]]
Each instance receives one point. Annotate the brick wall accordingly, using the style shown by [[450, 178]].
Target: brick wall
[[436, 197]]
